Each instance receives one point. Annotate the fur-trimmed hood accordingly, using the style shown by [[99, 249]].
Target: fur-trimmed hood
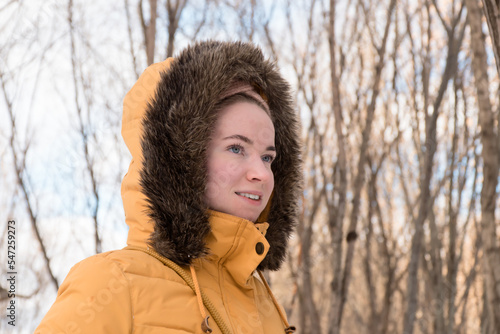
[[167, 123]]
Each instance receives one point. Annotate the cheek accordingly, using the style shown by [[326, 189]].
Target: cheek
[[215, 180], [212, 191], [221, 174], [271, 182]]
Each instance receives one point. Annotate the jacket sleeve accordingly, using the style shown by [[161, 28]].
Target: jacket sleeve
[[94, 298]]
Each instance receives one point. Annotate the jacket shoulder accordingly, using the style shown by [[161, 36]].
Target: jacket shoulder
[[135, 263], [94, 297], [160, 298], [102, 293]]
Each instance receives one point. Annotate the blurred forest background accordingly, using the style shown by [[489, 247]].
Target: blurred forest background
[[399, 229]]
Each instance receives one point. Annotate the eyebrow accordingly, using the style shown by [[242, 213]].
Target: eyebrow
[[248, 141]]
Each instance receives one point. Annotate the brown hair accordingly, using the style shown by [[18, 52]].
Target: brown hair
[[241, 97]]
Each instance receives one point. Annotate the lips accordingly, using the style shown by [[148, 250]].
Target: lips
[[251, 196]]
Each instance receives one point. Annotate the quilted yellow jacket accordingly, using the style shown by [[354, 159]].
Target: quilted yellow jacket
[[185, 264]]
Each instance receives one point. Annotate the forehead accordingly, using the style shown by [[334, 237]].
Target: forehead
[[245, 118]]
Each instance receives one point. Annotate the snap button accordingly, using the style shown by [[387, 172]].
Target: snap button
[[259, 248]]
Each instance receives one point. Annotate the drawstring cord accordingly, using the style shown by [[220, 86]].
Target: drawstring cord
[[204, 325], [288, 329]]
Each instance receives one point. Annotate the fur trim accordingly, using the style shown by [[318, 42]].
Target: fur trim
[[177, 129]]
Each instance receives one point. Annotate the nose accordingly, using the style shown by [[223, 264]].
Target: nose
[[258, 170]]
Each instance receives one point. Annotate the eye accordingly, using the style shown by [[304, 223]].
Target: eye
[[237, 149], [268, 158]]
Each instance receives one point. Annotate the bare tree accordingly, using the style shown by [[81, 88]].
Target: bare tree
[[338, 300], [174, 12], [19, 155], [131, 37], [306, 71], [492, 12], [455, 33], [337, 211], [149, 28], [247, 13], [490, 157], [20, 138], [84, 132]]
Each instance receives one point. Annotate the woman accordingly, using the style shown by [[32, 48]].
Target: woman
[[210, 198]]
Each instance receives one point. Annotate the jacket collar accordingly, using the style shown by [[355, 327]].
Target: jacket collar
[[236, 244]]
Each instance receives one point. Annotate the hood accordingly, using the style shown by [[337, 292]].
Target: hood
[[168, 118]]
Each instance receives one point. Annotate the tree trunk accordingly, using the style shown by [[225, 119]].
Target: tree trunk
[[149, 29], [174, 12], [492, 12], [360, 172], [336, 219], [490, 155], [425, 193], [451, 276]]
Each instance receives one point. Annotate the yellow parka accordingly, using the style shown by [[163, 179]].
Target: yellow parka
[[185, 264]]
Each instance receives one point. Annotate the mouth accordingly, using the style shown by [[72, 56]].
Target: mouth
[[250, 196]]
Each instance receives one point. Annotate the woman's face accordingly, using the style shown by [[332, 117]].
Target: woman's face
[[240, 153]]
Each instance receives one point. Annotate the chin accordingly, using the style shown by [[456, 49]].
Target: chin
[[251, 217], [248, 216]]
